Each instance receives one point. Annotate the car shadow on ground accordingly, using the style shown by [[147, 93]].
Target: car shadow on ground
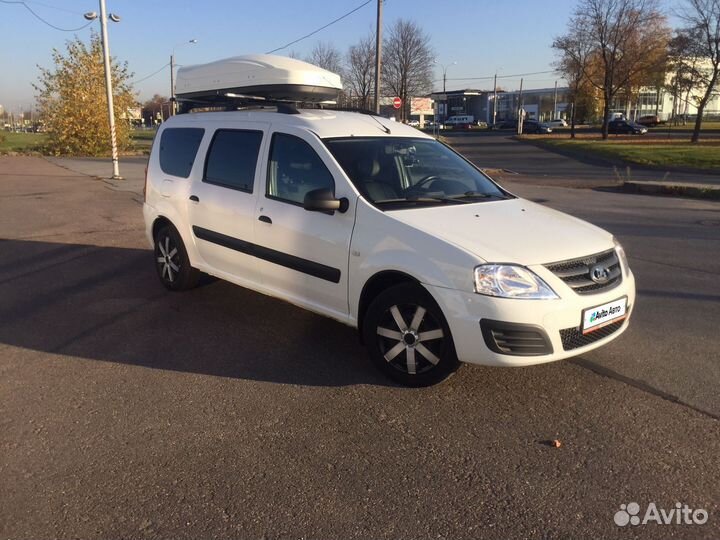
[[106, 303]]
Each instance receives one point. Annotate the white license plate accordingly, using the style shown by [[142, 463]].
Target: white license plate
[[599, 316]]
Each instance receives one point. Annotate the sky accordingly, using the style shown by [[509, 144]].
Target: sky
[[484, 37]]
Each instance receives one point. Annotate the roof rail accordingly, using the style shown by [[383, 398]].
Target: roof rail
[[234, 102]]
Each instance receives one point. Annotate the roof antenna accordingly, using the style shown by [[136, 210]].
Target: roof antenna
[[383, 126]]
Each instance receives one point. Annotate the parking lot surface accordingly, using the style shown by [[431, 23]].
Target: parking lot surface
[[127, 411]]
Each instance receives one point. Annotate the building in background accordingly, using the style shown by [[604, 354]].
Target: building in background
[[543, 104], [468, 102]]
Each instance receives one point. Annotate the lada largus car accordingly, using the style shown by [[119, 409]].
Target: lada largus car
[[385, 229]]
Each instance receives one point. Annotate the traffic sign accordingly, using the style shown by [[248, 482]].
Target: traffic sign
[[397, 102]]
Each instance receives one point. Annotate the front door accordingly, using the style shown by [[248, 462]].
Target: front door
[[304, 254]]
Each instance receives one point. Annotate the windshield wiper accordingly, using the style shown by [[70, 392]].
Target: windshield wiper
[[420, 200], [474, 195]]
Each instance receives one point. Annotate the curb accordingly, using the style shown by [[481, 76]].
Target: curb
[[695, 191]]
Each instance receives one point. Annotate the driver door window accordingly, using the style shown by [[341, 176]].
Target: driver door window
[[294, 169]]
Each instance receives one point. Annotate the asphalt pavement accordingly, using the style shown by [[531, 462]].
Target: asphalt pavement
[[127, 411]]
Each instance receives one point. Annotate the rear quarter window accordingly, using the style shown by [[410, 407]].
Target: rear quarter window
[[178, 148]]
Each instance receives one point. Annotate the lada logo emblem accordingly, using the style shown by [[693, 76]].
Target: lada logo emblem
[[600, 274]]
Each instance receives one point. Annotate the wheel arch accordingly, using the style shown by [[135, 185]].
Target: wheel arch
[[378, 283], [160, 221]]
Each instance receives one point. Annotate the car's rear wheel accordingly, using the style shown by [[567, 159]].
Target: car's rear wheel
[[408, 337], [172, 262]]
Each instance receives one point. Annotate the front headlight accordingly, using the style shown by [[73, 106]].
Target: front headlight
[[510, 281], [622, 256]]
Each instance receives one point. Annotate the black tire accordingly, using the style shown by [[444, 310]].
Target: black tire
[[172, 262], [396, 344]]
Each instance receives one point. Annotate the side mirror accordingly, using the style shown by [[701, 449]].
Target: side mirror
[[323, 200]]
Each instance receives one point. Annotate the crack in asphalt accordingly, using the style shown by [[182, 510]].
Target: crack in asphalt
[[639, 385]]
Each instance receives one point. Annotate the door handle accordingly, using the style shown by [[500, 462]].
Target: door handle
[[265, 219], [194, 198]]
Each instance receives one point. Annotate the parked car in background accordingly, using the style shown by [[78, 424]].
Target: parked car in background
[[460, 122], [624, 127], [535, 127], [504, 124], [649, 120], [413, 123], [557, 123]]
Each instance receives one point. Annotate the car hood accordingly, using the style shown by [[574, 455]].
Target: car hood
[[514, 230]]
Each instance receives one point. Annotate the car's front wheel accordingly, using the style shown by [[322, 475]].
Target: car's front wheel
[[408, 337], [172, 262]]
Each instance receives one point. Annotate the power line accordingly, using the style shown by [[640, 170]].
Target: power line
[[151, 75], [321, 28], [50, 6], [38, 17], [501, 76]]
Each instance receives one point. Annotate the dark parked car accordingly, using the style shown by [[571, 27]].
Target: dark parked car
[[649, 120], [533, 126], [618, 127], [504, 124]]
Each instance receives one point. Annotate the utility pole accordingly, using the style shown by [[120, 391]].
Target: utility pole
[[554, 114], [494, 119], [378, 55], [519, 110]]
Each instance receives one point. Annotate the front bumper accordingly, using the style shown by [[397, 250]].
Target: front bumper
[[556, 318]]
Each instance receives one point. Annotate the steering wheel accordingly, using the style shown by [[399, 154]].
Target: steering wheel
[[422, 182]]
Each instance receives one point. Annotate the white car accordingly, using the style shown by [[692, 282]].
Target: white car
[[385, 229], [557, 123]]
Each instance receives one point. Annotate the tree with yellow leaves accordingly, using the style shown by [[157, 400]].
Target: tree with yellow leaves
[[73, 103]]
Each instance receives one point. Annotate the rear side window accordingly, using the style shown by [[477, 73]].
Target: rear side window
[[178, 148], [232, 158], [294, 169]]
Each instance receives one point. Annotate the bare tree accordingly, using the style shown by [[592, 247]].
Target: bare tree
[[684, 75], [360, 70], [626, 36], [153, 108], [326, 56], [407, 63], [702, 34], [574, 58]]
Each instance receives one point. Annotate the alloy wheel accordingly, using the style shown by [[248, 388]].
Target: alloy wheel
[[168, 259], [410, 338]]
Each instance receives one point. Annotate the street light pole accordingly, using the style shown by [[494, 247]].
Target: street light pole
[[494, 99], [445, 68], [108, 89], [90, 16], [172, 83], [520, 111], [173, 109], [378, 55]]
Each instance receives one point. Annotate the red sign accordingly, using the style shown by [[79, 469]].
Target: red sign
[[397, 102]]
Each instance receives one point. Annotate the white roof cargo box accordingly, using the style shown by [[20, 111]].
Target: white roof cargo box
[[263, 76]]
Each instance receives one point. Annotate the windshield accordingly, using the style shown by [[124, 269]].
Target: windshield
[[409, 172]]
